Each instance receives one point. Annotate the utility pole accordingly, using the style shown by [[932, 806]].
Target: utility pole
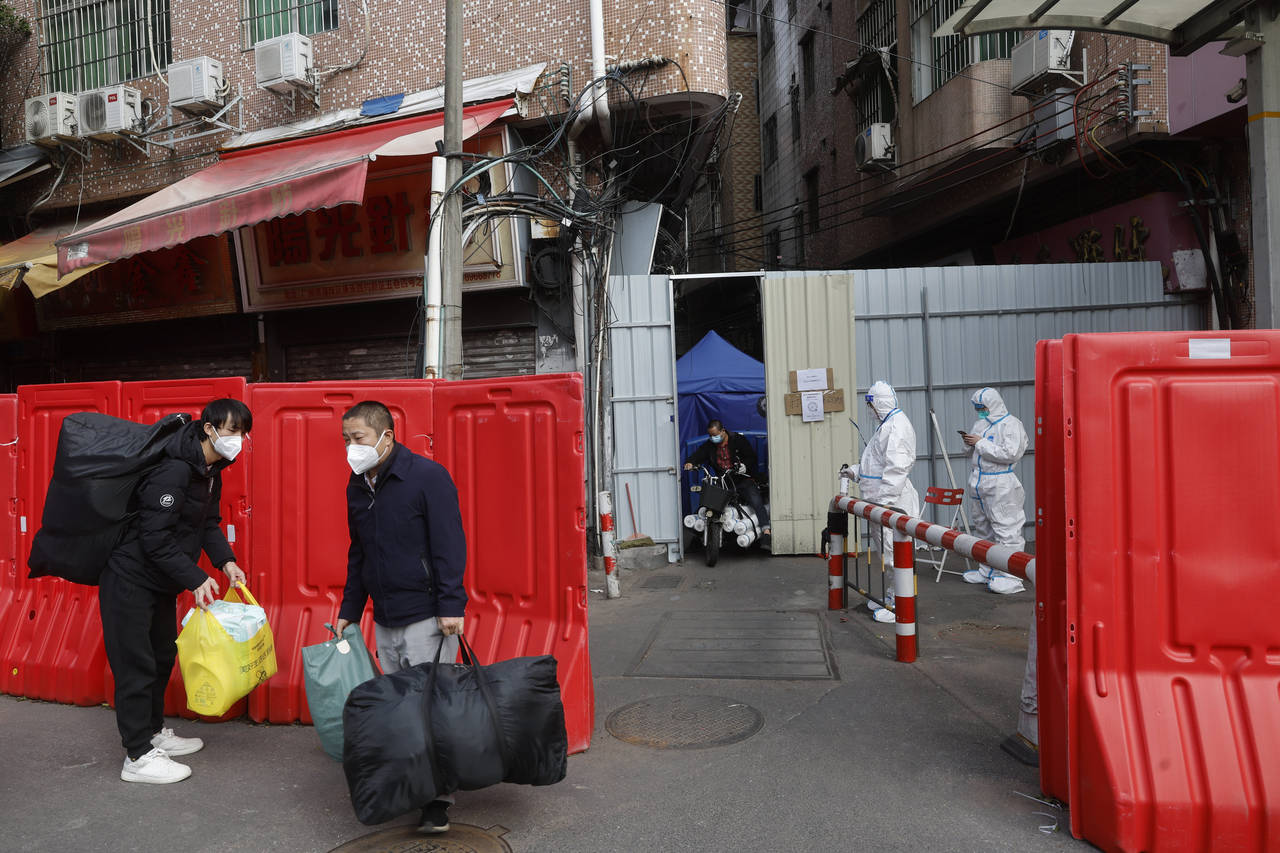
[[451, 212]]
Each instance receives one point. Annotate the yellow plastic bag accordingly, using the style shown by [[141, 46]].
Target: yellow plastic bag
[[216, 669]]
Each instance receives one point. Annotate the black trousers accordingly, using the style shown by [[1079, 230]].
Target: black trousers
[[139, 627]]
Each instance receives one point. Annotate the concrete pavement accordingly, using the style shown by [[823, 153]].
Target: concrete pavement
[[885, 757]]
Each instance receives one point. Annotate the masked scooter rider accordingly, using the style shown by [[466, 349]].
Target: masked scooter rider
[[730, 453]]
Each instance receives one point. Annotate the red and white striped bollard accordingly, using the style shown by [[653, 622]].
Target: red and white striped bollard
[[611, 588], [904, 595]]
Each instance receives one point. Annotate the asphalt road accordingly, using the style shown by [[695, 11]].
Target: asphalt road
[[882, 757]]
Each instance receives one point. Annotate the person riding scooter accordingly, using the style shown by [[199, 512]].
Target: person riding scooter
[[730, 453]]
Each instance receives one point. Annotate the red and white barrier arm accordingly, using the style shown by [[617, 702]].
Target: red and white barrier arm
[[1000, 557]]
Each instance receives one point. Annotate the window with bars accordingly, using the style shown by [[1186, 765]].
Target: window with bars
[[765, 28], [87, 44], [769, 145], [795, 112], [265, 19], [937, 60], [812, 204], [808, 64], [878, 28]]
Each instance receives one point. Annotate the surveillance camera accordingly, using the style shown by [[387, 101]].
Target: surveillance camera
[[1236, 94]]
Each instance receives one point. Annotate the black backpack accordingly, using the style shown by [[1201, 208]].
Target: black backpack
[[99, 461]]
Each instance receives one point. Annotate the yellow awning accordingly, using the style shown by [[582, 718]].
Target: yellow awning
[[33, 261]]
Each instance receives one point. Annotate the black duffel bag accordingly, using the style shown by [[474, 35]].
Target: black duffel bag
[[436, 728], [98, 464]]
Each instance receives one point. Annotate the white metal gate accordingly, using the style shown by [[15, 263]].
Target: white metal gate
[[643, 404]]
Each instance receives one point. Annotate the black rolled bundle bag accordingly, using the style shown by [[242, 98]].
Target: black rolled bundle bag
[[97, 466], [439, 727]]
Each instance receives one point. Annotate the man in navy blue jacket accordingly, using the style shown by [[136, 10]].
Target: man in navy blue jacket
[[408, 552]]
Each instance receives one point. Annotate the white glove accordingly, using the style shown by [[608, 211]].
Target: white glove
[[740, 468], [852, 472]]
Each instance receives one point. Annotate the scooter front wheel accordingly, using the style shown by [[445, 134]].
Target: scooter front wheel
[[714, 533]]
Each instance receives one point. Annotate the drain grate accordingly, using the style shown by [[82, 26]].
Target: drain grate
[[684, 722], [662, 582], [768, 644], [461, 838]]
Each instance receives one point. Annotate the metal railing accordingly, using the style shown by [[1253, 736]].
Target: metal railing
[[265, 19], [87, 44], [906, 529]]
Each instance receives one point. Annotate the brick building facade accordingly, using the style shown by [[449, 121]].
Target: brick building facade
[[970, 171], [673, 56]]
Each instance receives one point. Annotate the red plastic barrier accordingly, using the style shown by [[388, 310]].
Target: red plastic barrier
[[8, 504], [298, 482], [1051, 573], [1172, 495], [148, 402], [515, 449], [51, 640]]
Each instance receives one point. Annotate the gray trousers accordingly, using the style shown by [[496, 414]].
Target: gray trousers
[[410, 645], [1029, 706]]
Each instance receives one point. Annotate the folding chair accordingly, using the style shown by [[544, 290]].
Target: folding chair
[[943, 497]]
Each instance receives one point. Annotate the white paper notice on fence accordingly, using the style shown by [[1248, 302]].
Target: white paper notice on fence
[[813, 379], [1210, 347], [811, 406]]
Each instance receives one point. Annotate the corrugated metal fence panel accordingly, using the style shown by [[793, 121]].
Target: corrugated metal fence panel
[[642, 342], [808, 323], [983, 326], [487, 353]]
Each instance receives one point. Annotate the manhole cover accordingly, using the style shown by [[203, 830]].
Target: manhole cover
[[662, 582], [460, 838], [684, 722]]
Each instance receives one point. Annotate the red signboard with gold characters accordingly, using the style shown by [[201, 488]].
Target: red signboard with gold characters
[[374, 250], [191, 279]]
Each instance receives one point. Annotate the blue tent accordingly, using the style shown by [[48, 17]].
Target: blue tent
[[716, 380]]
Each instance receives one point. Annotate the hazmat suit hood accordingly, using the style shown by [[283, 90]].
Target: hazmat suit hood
[[990, 398], [883, 398]]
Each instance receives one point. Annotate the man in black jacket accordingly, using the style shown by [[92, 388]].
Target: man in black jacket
[[408, 553], [177, 517], [730, 453]]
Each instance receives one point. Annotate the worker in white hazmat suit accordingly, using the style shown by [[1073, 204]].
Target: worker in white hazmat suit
[[998, 441], [884, 473]]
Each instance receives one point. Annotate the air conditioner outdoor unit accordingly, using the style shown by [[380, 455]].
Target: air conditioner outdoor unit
[[49, 116], [1043, 53], [874, 146], [108, 112], [194, 85], [283, 63]]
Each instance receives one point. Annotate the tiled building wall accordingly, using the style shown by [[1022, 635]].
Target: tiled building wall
[[741, 237], [926, 134], [404, 54]]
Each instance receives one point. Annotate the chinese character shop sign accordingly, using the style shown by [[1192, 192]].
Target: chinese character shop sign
[[1151, 228], [353, 253]]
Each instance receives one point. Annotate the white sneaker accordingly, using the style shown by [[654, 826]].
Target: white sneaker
[[154, 768], [1005, 584], [977, 575], [883, 614], [173, 745]]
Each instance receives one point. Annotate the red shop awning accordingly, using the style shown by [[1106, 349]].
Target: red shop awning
[[253, 185]]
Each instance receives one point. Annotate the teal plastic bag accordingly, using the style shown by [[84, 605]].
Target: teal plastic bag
[[332, 669]]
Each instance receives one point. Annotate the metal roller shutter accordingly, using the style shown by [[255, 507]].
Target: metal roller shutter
[[498, 352]]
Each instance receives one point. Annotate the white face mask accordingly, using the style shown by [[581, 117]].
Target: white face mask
[[362, 457], [227, 446]]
